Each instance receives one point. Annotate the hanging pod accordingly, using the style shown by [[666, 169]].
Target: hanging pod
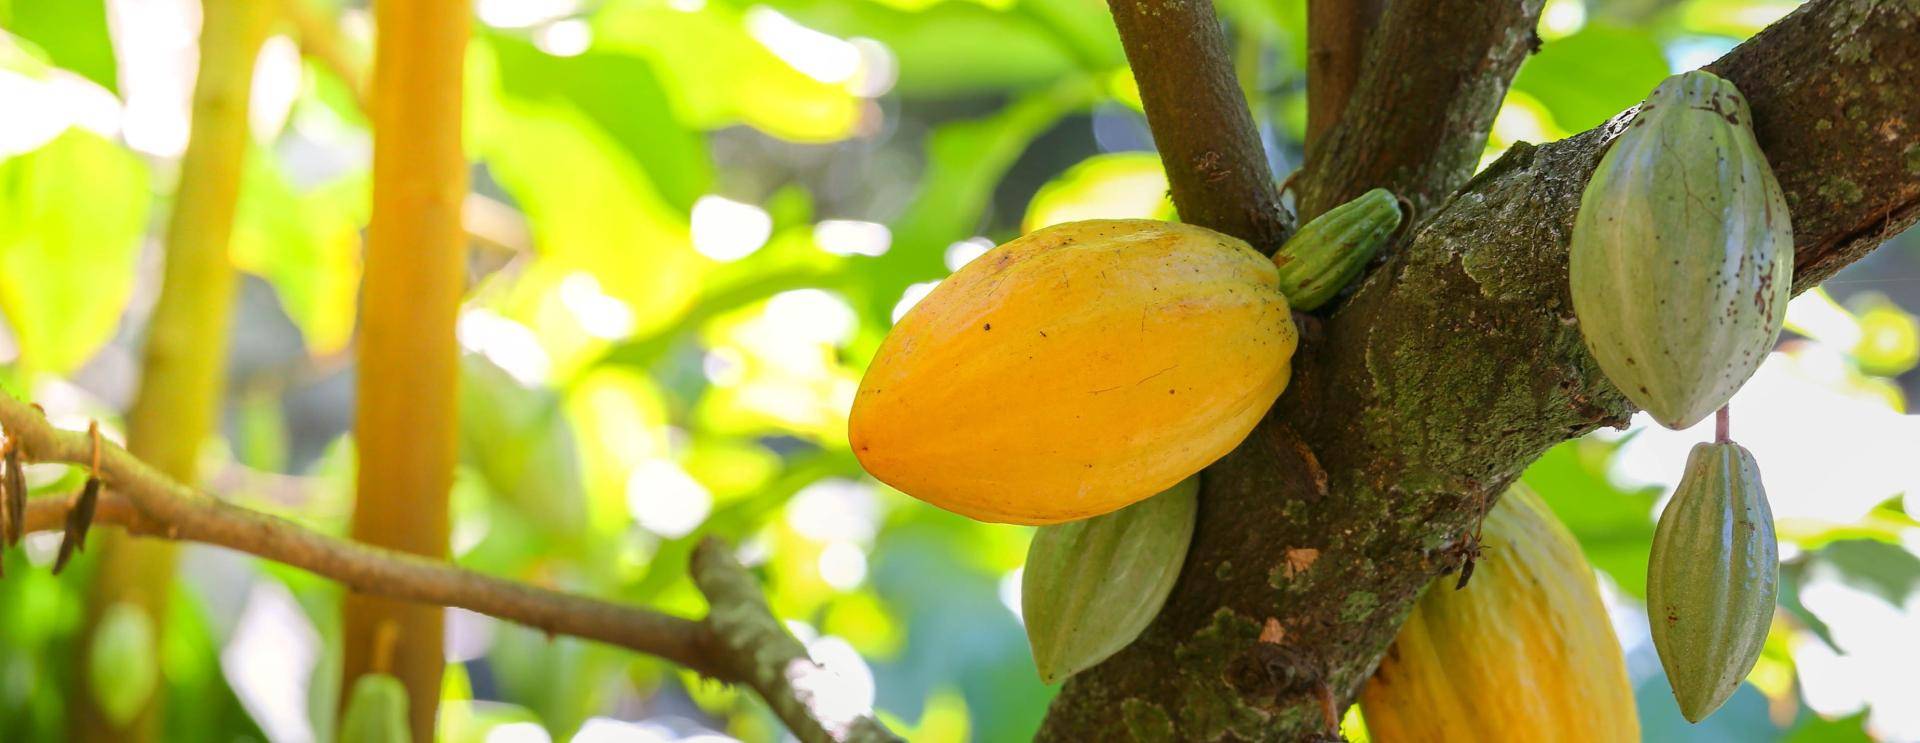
[[1681, 259], [1712, 577], [1090, 587]]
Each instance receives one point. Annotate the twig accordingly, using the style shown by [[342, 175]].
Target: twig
[[739, 642], [1216, 166]]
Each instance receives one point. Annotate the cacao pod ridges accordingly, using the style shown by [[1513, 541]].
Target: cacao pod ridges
[[1525, 652], [1681, 257], [1712, 577], [1091, 586], [1330, 251]]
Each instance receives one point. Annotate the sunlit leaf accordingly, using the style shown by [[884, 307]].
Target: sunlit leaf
[[516, 437], [718, 73], [1121, 185], [307, 244], [73, 33], [623, 95], [1585, 78], [1613, 527], [1035, 42], [71, 218]]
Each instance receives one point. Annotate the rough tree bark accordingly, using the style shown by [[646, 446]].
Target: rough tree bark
[[1454, 366], [1432, 81]]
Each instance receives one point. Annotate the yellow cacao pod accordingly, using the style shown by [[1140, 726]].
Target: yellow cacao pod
[[1524, 653], [1076, 370]]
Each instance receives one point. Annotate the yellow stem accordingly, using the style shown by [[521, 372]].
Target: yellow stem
[[183, 377], [405, 424]]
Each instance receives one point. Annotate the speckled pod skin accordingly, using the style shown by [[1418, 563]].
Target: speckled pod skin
[[1076, 370], [1712, 577], [1091, 586], [1682, 253], [1525, 653], [1330, 251]]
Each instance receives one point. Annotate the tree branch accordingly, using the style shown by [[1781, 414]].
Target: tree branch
[[1337, 32], [1216, 166], [1434, 76], [740, 641], [1456, 365]]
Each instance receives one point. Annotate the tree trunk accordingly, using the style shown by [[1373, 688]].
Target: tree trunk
[[183, 375], [405, 424], [1456, 364]]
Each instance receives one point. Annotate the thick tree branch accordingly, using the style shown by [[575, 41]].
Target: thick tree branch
[[1337, 32], [739, 642], [1216, 166], [1457, 364], [1417, 122]]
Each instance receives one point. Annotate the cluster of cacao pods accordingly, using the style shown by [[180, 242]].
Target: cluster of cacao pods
[[1089, 365], [1680, 269], [1061, 379]]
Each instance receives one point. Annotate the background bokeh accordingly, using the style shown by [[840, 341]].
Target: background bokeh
[[695, 219]]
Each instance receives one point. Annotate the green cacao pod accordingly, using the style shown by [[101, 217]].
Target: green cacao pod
[[1712, 577], [376, 711], [1524, 653], [1092, 586], [1326, 254], [123, 667], [1682, 253]]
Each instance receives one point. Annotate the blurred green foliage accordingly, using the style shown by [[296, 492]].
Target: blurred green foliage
[[704, 216]]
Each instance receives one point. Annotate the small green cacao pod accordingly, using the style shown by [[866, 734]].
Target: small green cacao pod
[[1326, 254], [1712, 577], [1092, 586], [123, 667], [376, 711], [1682, 254]]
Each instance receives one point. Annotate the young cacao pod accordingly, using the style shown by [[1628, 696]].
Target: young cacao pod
[[1091, 586], [1525, 653], [1075, 370], [1327, 253], [1712, 577], [376, 711], [1682, 254]]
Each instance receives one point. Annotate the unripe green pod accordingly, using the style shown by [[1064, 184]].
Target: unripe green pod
[[1092, 586], [376, 712], [1327, 253], [1712, 577], [123, 667], [1682, 254]]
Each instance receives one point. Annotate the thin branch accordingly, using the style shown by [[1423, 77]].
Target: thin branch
[[1435, 73], [1216, 165], [740, 642], [1337, 32]]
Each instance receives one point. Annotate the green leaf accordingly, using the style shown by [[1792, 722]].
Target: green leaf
[[71, 216], [519, 442], [1614, 527], [1035, 42], [1588, 77], [306, 244], [965, 161], [622, 94], [73, 33], [123, 663]]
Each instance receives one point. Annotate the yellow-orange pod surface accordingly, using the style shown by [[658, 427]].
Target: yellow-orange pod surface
[[1075, 370], [1523, 653]]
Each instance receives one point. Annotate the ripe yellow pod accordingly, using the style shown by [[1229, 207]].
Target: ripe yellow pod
[[1075, 370], [1524, 653]]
